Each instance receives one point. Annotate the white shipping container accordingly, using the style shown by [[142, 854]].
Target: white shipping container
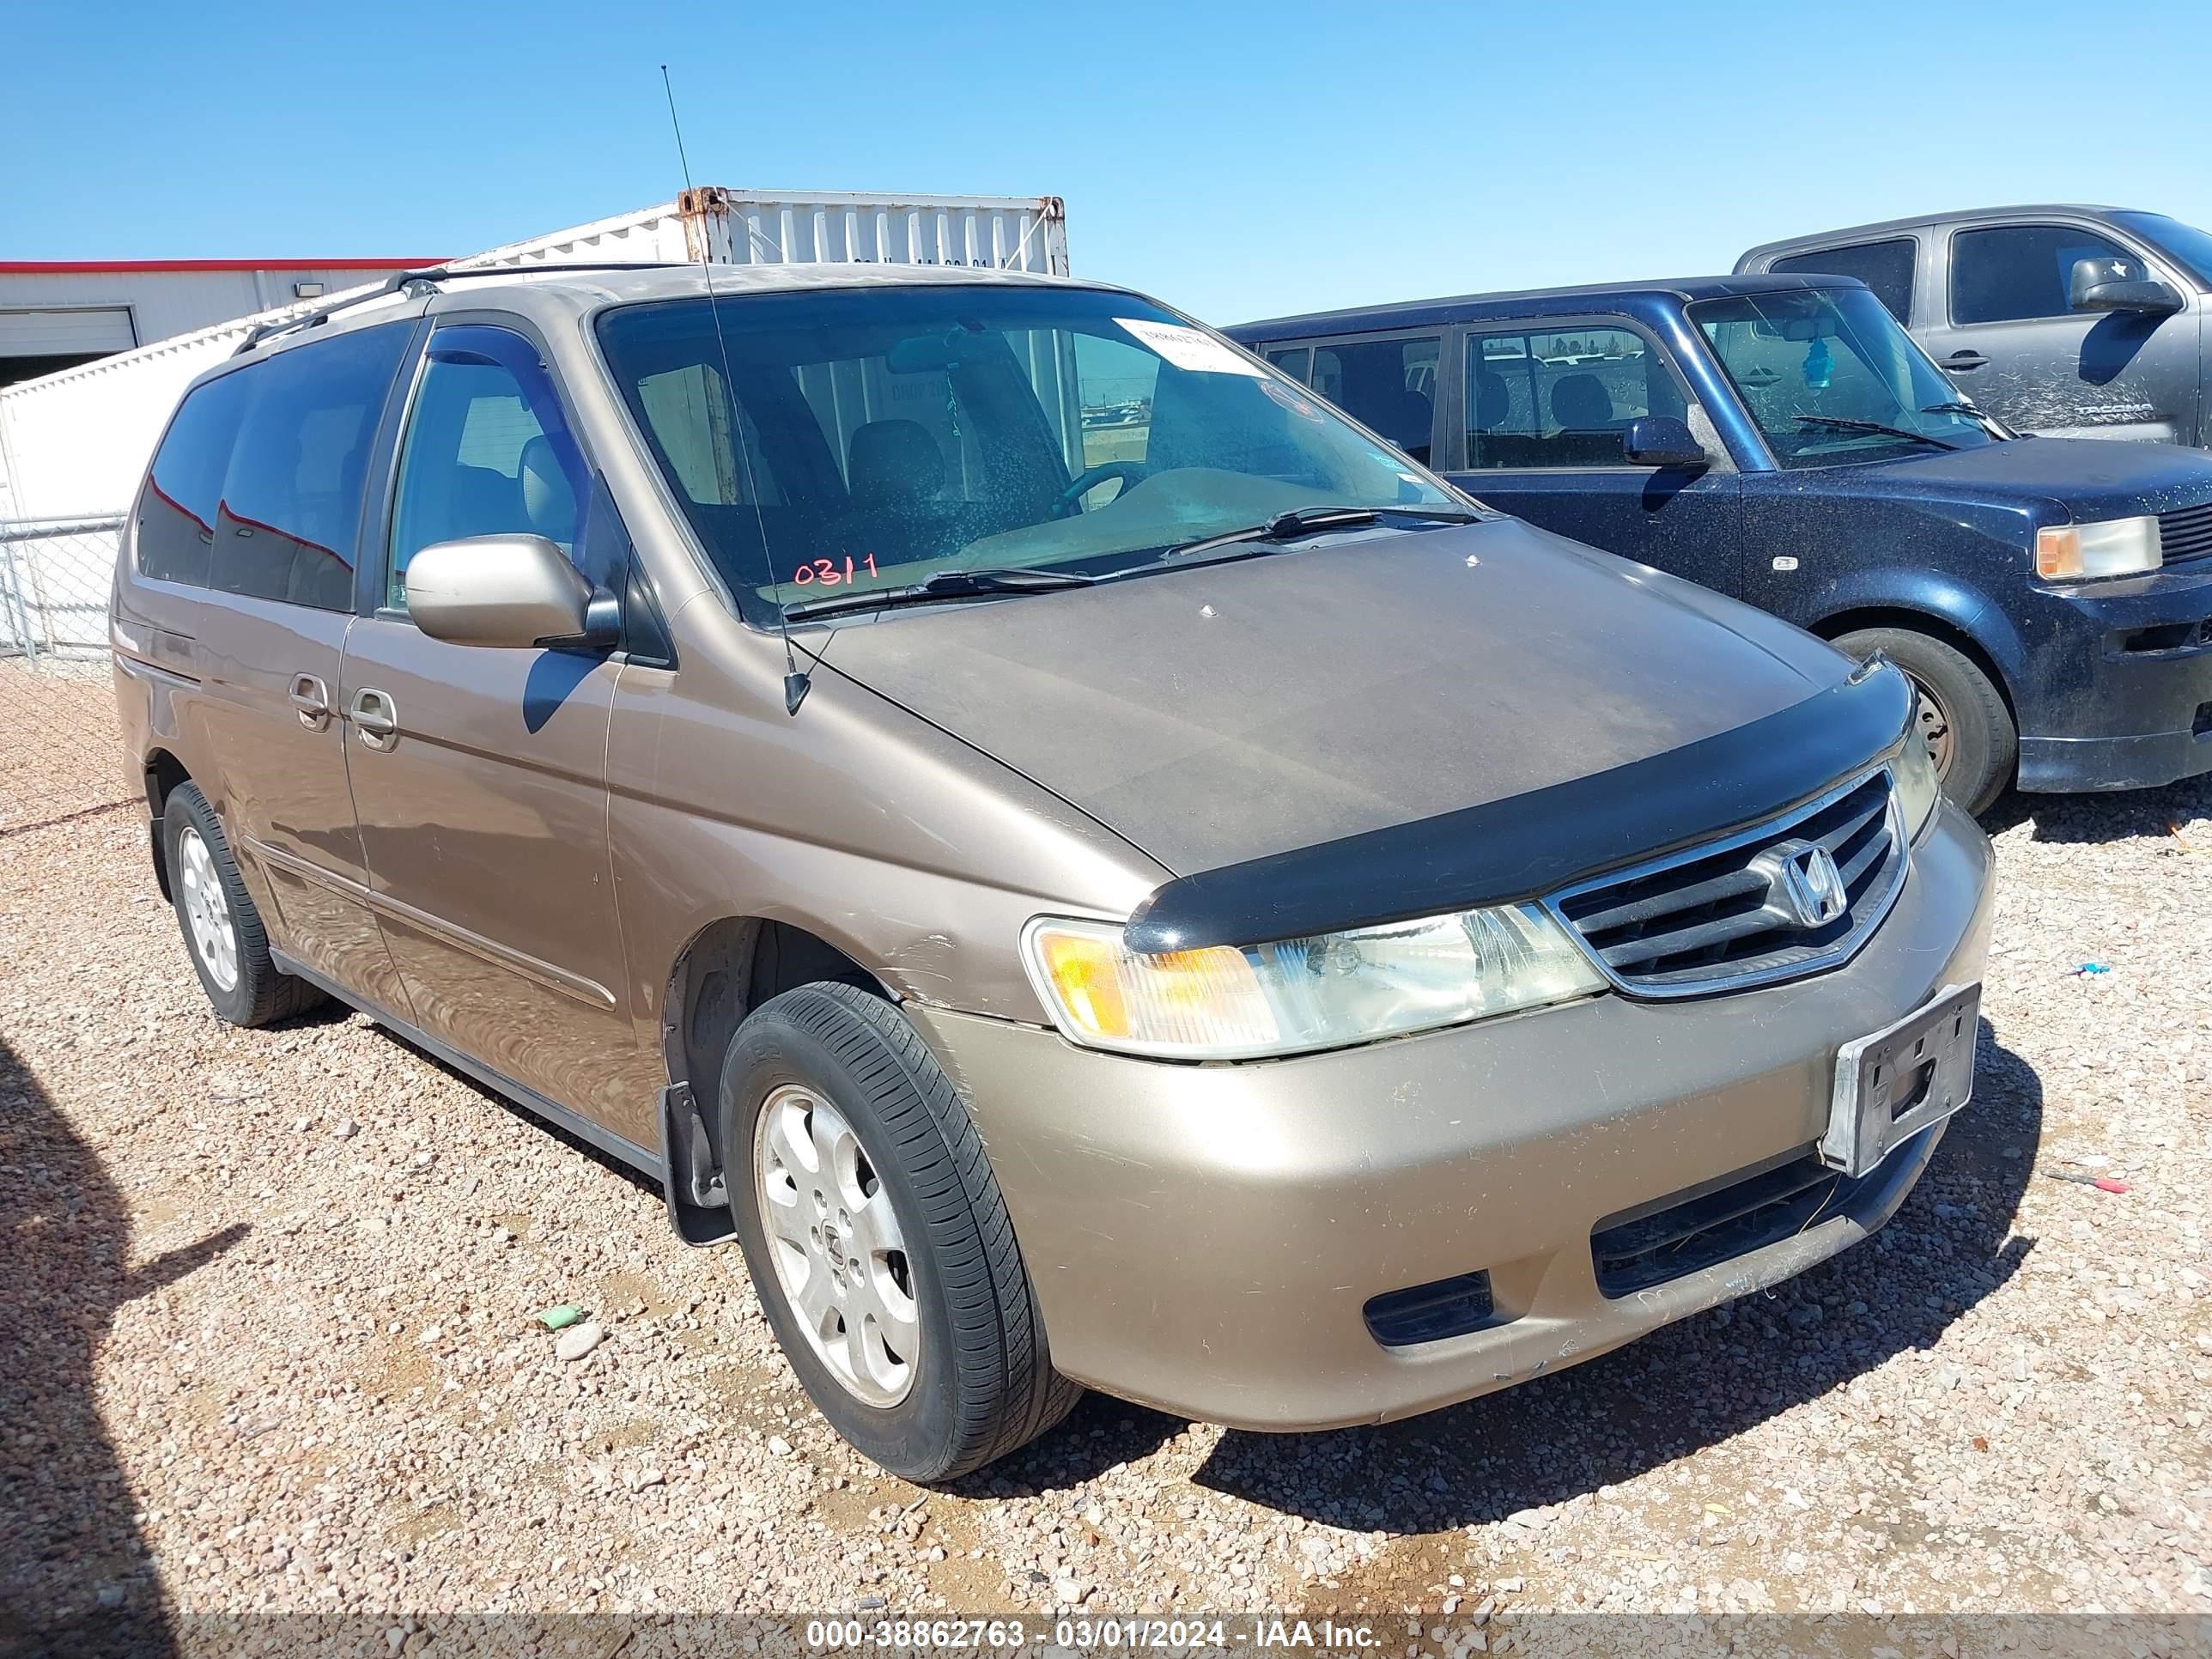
[[76, 443]]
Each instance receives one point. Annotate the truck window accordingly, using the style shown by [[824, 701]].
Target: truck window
[[1885, 267], [1560, 398], [1387, 385], [2010, 273], [291, 497], [2186, 245], [1297, 361], [176, 513]]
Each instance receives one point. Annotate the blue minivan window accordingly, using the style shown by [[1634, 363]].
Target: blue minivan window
[[1560, 396]]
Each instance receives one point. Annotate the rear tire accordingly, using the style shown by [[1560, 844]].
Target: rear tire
[[914, 1330], [223, 934], [1962, 713]]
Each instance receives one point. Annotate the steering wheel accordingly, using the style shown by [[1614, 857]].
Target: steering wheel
[[1092, 477]]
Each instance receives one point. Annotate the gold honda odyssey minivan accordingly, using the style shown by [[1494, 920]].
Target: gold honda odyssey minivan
[[1089, 865]]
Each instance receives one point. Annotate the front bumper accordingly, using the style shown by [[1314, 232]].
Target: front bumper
[[2118, 694], [1207, 1238]]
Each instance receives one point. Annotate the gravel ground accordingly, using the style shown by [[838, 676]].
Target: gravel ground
[[267, 1343]]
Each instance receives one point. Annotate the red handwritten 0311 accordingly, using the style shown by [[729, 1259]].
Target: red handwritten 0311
[[825, 571]]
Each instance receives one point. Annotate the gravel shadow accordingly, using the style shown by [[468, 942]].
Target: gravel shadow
[[74, 1574], [2094, 819], [1689, 1385]]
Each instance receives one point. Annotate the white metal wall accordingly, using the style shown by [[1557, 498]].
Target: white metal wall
[[78, 441], [164, 303]]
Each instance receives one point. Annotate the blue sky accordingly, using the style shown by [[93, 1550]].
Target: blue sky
[[1237, 159]]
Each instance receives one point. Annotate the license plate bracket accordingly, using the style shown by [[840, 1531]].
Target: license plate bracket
[[1893, 1083]]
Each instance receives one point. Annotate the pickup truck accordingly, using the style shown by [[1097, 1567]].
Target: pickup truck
[[1783, 440], [2080, 322]]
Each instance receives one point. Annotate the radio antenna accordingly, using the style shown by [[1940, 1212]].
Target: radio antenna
[[795, 684]]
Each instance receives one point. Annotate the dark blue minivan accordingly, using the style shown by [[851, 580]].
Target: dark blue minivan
[[1782, 439]]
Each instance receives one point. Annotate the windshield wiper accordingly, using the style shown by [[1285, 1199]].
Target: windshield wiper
[[1872, 426], [1989, 422], [944, 585], [1310, 520]]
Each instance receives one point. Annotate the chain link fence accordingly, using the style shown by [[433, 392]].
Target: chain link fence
[[60, 753]]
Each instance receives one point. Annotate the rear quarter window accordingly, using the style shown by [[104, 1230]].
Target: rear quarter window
[[1885, 267]]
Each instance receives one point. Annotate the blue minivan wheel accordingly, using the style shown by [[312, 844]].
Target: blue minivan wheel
[[1969, 730]]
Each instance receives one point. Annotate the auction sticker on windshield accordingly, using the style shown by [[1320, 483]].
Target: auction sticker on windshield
[[1186, 348]]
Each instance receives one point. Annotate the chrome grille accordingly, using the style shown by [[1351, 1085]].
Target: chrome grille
[[1714, 918], [2185, 533]]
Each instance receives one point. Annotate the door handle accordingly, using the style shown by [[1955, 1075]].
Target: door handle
[[1960, 361], [376, 717], [311, 699]]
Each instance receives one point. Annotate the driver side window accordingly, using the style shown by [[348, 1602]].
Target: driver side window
[[486, 451]]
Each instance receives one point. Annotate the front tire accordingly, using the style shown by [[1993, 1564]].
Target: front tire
[[1962, 715], [877, 1239], [223, 934]]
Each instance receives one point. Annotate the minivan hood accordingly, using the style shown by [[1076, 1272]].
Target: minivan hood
[[1228, 711], [2086, 479]]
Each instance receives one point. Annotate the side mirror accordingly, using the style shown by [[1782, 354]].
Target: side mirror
[[1662, 440], [2120, 285], [511, 591]]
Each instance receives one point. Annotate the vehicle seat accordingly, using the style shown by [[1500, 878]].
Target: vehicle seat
[[1493, 401], [480, 501], [1580, 402], [894, 464], [549, 502], [1405, 420], [1589, 431], [895, 477]]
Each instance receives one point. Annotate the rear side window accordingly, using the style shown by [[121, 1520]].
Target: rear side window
[[2014, 272], [177, 511], [1389, 385], [1885, 267], [290, 515], [1560, 397]]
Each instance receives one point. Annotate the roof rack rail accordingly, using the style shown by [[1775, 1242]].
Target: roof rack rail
[[401, 280]]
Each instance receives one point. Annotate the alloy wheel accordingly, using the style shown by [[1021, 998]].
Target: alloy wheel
[[840, 1260], [207, 910]]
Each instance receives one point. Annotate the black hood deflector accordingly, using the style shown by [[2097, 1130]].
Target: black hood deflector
[[1505, 852]]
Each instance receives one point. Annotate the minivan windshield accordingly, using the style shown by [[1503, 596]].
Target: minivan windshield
[[1830, 378], [876, 436]]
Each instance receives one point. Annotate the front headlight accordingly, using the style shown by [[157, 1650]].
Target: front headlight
[[1919, 791], [1240, 1002], [2081, 552]]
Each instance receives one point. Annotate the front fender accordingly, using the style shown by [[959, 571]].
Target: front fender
[[1892, 595]]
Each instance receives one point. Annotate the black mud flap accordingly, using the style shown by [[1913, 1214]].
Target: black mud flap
[[698, 1202]]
